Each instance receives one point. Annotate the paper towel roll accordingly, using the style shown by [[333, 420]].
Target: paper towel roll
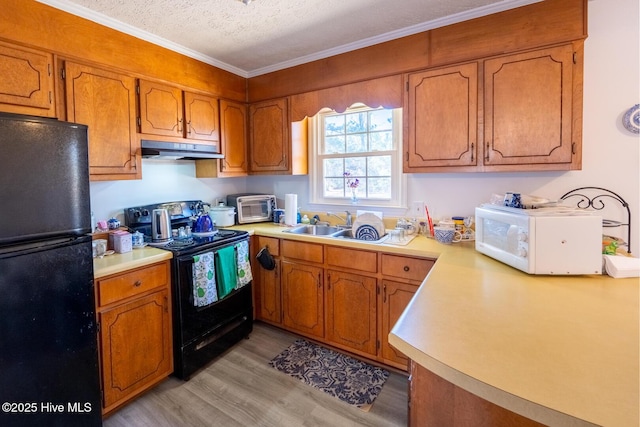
[[290, 209]]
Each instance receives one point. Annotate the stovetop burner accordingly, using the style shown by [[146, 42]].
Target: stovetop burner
[[182, 214]]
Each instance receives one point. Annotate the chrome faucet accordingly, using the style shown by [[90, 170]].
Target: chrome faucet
[[347, 220]]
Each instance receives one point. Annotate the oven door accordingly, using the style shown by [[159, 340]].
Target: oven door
[[195, 325]]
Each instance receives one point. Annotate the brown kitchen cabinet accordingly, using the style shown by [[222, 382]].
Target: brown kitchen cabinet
[[135, 332], [105, 102], [302, 283], [528, 109], [351, 312], [401, 277], [267, 283], [435, 402], [276, 146], [27, 82], [233, 143], [526, 115], [166, 110], [442, 118]]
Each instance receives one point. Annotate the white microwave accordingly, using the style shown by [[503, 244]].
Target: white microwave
[[555, 241]]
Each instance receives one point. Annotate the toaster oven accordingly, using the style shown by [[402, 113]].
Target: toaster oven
[[252, 207]]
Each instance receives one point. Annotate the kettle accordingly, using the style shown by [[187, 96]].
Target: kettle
[[160, 226], [204, 223]]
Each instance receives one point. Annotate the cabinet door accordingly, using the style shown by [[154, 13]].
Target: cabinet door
[[233, 124], [268, 294], [395, 298], [351, 311], [528, 108], [442, 118], [269, 143], [202, 117], [160, 109], [26, 86], [136, 346], [302, 298], [105, 101]]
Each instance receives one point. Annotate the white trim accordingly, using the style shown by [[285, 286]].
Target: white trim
[[102, 19]]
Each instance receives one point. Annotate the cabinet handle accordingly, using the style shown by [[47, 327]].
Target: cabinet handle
[[486, 156], [406, 268], [319, 282], [329, 282], [384, 293], [472, 152], [180, 125], [137, 283], [189, 127]]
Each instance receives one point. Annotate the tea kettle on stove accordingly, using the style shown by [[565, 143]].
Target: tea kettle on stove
[[160, 225], [203, 222]]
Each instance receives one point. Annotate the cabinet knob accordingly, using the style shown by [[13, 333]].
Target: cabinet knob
[[406, 268], [137, 283]]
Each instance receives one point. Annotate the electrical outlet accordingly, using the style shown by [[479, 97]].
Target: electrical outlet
[[417, 209]]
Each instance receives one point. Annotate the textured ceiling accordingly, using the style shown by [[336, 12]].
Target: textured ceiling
[[267, 35]]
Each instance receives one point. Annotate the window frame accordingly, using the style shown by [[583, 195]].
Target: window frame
[[316, 173]]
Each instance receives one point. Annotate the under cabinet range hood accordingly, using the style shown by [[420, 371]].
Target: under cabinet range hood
[[178, 150]]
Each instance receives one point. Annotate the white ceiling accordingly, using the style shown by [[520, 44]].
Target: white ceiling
[[268, 35]]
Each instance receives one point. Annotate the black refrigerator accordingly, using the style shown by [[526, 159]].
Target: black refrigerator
[[49, 372]]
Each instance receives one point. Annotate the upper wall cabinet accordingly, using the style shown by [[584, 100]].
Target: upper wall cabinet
[[168, 111], [26, 86], [442, 117], [233, 142], [527, 109], [528, 100], [276, 146], [105, 101]]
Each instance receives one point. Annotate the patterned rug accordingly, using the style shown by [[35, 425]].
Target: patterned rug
[[344, 377]]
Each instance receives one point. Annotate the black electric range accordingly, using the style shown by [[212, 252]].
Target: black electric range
[[199, 333]]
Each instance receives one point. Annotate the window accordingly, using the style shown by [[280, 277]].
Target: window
[[357, 153]]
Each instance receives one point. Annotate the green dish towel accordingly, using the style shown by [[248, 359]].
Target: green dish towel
[[226, 271]]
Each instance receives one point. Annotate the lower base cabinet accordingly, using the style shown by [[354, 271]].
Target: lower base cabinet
[[347, 298], [435, 402], [134, 316]]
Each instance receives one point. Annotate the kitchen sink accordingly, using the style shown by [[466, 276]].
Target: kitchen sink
[[316, 230], [336, 232]]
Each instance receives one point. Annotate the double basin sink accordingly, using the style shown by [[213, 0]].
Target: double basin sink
[[332, 231]]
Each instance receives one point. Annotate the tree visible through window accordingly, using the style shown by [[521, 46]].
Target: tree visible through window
[[360, 144]]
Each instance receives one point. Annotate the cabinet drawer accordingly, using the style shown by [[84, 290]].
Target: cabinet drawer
[[132, 283], [301, 250], [406, 268], [271, 242], [352, 259]]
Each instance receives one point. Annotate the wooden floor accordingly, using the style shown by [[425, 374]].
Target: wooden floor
[[240, 389]]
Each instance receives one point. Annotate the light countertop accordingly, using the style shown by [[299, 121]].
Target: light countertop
[[118, 263], [562, 350]]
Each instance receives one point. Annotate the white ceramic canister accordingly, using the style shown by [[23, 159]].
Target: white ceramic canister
[[223, 216]]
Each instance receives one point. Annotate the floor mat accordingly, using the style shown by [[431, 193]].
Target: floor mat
[[341, 376]]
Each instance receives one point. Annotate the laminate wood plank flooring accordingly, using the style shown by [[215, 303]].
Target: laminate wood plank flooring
[[239, 388]]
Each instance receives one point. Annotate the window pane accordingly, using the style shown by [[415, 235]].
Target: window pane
[[334, 187], [356, 122], [379, 166], [379, 188], [334, 145], [356, 166], [334, 125], [357, 143], [381, 141], [381, 120], [333, 168]]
